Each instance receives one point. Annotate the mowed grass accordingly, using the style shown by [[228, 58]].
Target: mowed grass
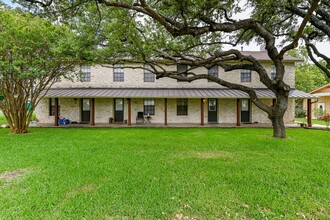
[[314, 121], [148, 173], [2, 119]]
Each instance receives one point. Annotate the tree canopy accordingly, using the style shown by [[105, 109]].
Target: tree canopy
[[307, 75], [283, 16], [194, 33], [32, 57]]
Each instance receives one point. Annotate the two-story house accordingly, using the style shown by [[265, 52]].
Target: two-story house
[[120, 94]]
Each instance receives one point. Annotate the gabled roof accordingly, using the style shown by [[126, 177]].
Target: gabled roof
[[259, 55], [263, 56], [318, 89]]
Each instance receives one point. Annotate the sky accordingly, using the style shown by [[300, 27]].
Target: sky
[[8, 2], [324, 47]]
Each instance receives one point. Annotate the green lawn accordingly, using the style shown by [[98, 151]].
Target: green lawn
[[145, 173], [314, 121], [2, 119]]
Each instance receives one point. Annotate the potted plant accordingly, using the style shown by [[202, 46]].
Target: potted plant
[[110, 120]]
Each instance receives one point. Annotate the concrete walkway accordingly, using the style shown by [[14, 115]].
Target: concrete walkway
[[172, 125]]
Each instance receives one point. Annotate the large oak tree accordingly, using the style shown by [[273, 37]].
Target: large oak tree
[[193, 32], [282, 17]]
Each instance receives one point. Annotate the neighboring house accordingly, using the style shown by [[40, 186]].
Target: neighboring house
[[120, 93], [322, 105]]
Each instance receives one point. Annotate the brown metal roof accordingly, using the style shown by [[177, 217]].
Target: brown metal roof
[[263, 55], [163, 93]]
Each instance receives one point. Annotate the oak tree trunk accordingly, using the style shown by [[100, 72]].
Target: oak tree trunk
[[278, 127], [277, 116]]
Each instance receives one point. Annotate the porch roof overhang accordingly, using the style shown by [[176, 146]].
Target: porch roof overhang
[[163, 93]]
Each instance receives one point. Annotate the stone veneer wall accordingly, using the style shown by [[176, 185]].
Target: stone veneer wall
[[227, 110], [104, 109], [69, 108], [42, 112], [133, 78], [194, 112], [289, 115]]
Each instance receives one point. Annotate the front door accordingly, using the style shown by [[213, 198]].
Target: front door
[[213, 111], [245, 110], [85, 110], [119, 110]]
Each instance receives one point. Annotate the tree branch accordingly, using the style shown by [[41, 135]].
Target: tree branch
[[301, 29]]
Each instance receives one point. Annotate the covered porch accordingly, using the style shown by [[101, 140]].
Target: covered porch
[[112, 107]]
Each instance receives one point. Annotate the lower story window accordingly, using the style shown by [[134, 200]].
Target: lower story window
[[149, 107], [182, 106], [52, 107]]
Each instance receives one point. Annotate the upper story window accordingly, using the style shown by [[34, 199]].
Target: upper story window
[[58, 79], [181, 68], [272, 72], [213, 71], [52, 107], [182, 106], [149, 107], [118, 73], [85, 73], [148, 75], [245, 75]]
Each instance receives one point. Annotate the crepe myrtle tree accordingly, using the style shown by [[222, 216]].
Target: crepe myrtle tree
[[189, 32], [32, 58]]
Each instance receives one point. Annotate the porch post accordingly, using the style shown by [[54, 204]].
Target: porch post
[[56, 112], [238, 112], [202, 111], [309, 112], [92, 112], [165, 111], [129, 122]]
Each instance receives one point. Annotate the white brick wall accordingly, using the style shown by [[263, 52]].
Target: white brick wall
[[103, 110], [227, 110], [103, 77], [42, 112]]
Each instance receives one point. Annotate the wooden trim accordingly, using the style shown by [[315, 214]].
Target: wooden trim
[[129, 119], [165, 112], [81, 109], [202, 112], [238, 112], [56, 111], [92, 112], [50, 107], [309, 112]]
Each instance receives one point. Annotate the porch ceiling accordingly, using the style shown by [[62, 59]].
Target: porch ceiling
[[163, 93]]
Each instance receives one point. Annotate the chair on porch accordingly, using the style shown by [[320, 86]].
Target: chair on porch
[[140, 118]]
